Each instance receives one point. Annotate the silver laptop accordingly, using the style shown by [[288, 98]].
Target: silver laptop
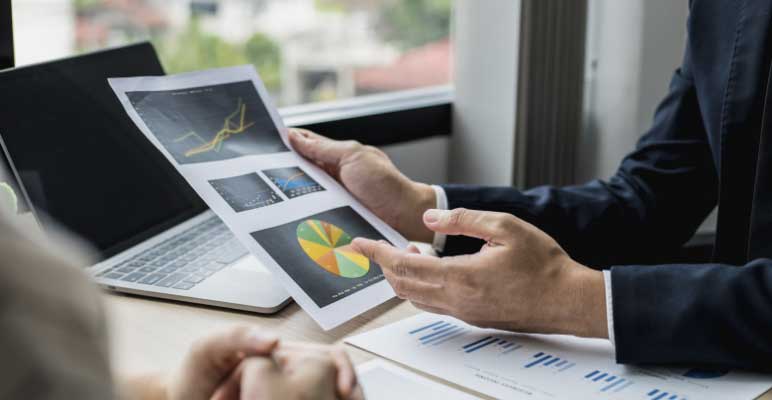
[[80, 161]]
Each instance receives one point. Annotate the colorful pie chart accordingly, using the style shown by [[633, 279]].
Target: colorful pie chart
[[330, 247]]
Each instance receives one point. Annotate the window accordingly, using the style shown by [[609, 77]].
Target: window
[[305, 50]]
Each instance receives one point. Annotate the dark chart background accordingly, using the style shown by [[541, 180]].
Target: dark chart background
[[323, 287], [245, 192], [187, 122], [293, 181]]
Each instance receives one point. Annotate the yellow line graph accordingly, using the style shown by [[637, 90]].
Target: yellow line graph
[[228, 128]]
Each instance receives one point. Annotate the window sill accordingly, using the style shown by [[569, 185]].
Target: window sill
[[378, 119]]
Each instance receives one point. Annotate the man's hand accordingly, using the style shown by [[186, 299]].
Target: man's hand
[[232, 365], [521, 279], [206, 365], [371, 177], [213, 358], [296, 371]]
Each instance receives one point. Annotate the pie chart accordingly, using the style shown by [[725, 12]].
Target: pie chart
[[330, 248]]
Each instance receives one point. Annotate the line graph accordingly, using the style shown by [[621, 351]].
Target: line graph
[[293, 181], [223, 134], [209, 123]]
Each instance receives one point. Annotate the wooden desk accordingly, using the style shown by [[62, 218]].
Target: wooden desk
[[150, 335]]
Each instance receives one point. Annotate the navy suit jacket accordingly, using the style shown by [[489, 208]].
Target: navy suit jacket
[[709, 145]]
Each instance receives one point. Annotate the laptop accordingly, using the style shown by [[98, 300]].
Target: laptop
[[80, 161]]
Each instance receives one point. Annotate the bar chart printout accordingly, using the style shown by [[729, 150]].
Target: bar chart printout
[[542, 359], [657, 394], [608, 382], [501, 345], [437, 332], [543, 367]]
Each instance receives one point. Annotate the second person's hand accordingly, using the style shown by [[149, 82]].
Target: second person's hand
[[295, 371], [372, 178]]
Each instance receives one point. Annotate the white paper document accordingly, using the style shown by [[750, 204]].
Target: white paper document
[[384, 381], [221, 132], [515, 366]]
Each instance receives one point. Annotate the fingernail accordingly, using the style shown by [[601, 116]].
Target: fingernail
[[432, 216]]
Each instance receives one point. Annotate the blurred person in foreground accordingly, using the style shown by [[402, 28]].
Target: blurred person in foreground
[[54, 342]]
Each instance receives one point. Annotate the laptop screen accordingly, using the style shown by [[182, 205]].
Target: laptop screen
[[79, 158]]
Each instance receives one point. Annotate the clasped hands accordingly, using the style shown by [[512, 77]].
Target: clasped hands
[[520, 280], [244, 363]]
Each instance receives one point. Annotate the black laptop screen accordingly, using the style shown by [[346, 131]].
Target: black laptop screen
[[78, 156]]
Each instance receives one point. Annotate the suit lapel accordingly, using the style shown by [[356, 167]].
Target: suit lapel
[[760, 235], [739, 130]]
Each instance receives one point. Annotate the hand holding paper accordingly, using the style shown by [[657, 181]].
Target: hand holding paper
[[368, 174], [220, 131]]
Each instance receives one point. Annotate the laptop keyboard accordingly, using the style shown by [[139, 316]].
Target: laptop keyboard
[[184, 260]]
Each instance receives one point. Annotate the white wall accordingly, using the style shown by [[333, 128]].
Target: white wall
[[43, 30], [633, 48], [482, 148]]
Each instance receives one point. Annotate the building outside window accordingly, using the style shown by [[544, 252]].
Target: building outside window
[[305, 50]]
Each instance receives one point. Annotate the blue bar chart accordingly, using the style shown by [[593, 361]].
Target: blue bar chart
[[549, 361], [608, 382], [507, 365], [505, 346], [657, 394], [437, 332]]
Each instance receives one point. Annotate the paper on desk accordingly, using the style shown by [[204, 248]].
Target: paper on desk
[[515, 366], [385, 381], [221, 132]]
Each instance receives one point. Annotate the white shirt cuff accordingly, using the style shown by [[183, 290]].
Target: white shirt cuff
[[609, 305], [442, 204], [439, 245]]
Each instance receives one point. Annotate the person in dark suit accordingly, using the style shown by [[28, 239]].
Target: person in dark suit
[[568, 260]]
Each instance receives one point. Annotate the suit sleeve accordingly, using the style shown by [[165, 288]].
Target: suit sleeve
[[654, 202], [707, 314]]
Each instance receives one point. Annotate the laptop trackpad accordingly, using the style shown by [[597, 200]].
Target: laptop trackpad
[[250, 263]]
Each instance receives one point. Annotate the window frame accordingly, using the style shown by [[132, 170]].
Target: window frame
[[376, 119], [379, 119]]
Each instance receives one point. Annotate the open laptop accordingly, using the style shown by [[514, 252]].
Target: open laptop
[[80, 161]]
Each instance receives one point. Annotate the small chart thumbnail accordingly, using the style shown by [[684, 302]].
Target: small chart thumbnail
[[293, 181], [245, 192]]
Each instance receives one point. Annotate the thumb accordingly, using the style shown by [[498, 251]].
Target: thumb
[[225, 350], [262, 379], [320, 149], [490, 226], [215, 357]]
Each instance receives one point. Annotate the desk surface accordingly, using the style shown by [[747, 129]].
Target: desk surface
[[150, 335]]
